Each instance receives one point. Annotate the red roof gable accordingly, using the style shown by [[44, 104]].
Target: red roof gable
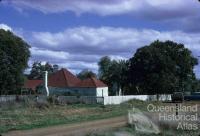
[[32, 84], [63, 78], [91, 82]]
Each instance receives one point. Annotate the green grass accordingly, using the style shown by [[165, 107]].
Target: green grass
[[25, 116]]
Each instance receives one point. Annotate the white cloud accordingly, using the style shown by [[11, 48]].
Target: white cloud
[[78, 65], [5, 27], [105, 40], [17, 31], [48, 54], [102, 7], [48, 38], [109, 7], [82, 47], [181, 14]]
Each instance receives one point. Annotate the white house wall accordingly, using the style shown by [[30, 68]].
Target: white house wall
[[102, 91]]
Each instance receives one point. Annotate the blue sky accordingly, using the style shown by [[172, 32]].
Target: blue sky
[[75, 34]]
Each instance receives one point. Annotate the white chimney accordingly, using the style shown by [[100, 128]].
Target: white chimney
[[46, 83]]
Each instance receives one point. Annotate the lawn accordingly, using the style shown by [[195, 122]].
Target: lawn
[[28, 115], [22, 115]]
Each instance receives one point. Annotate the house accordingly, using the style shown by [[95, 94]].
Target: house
[[64, 82], [94, 85], [30, 86]]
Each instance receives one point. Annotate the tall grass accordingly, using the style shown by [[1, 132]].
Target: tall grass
[[28, 115]]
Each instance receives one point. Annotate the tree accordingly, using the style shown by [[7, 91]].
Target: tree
[[14, 55], [123, 78], [118, 75], [37, 70], [55, 68], [113, 73], [161, 67], [197, 85], [104, 65], [84, 74]]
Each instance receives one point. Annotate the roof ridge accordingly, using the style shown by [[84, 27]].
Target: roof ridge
[[93, 80], [65, 76]]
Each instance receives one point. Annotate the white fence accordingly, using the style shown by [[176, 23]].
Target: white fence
[[7, 98], [107, 100], [120, 99]]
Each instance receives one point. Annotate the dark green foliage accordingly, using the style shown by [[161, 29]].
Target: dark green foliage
[[37, 71], [162, 67], [104, 69], [195, 86], [55, 68], [113, 73], [84, 74], [14, 55]]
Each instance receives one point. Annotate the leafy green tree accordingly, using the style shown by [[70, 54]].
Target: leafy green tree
[[161, 67], [55, 68], [84, 74], [197, 85], [118, 75], [113, 73], [37, 70], [123, 78], [104, 73], [14, 55], [104, 66]]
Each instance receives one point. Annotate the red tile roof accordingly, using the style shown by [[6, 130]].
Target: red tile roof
[[91, 82], [32, 84], [63, 78]]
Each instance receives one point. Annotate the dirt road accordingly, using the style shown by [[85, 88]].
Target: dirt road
[[79, 129]]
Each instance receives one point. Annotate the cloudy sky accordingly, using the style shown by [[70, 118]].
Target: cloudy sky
[[75, 33]]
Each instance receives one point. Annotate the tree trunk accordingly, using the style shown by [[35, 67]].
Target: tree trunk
[[157, 97]]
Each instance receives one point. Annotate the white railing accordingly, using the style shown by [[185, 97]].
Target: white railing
[[107, 100]]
